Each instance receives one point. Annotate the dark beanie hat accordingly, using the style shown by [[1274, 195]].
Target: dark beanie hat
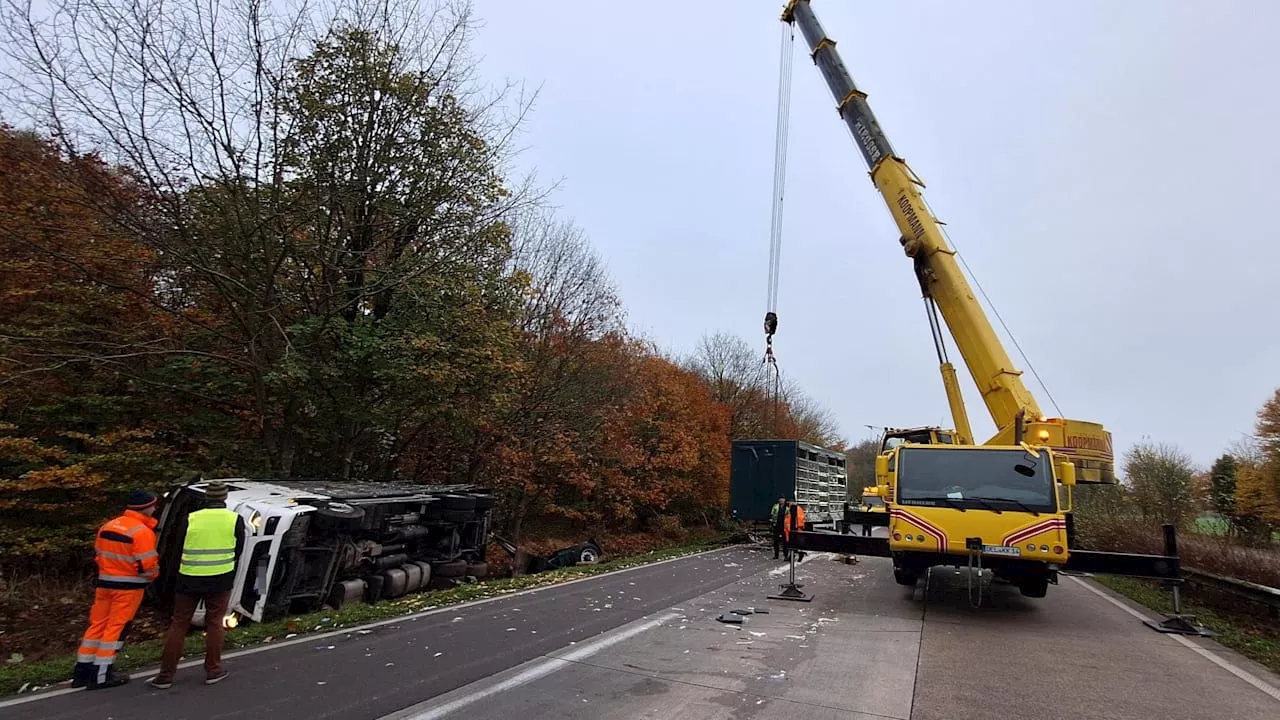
[[215, 491], [141, 500]]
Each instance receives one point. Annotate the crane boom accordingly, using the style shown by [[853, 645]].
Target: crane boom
[[1012, 407]]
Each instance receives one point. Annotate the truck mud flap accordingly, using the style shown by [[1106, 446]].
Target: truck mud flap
[[838, 543], [1113, 563]]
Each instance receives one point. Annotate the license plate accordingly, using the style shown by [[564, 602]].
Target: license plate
[[1001, 550]]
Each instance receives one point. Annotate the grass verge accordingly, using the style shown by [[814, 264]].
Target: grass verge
[[1254, 636], [18, 678]]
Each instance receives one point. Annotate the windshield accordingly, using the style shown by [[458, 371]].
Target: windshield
[[893, 441], [975, 479]]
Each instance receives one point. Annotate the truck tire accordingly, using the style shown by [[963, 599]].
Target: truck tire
[[905, 577], [449, 569], [589, 554], [338, 516], [455, 501], [1034, 587]]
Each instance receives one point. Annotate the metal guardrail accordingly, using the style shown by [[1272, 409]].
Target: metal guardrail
[[1261, 594]]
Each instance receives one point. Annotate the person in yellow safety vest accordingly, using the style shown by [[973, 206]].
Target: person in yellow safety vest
[[794, 517], [211, 548], [775, 524], [125, 550]]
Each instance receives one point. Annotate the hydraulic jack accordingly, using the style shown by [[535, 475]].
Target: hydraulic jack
[[790, 590]]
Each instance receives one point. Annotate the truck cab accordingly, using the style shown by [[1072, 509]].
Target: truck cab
[[1003, 507], [315, 543]]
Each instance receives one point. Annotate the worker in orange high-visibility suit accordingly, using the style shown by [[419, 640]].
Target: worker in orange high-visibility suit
[[127, 562], [794, 518]]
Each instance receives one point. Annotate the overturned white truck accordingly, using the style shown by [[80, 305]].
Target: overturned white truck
[[315, 543]]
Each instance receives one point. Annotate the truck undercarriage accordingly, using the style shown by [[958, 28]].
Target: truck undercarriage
[[315, 543]]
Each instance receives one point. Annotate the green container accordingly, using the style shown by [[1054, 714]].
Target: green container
[[762, 471]]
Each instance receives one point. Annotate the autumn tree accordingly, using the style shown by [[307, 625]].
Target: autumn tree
[[79, 419], [1222, 488], [666, 447], [574, 366], [738, 378], [1257, 487], [326, 193], [860, 464], [1160, 477]]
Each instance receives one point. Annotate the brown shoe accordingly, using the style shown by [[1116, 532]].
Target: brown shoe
[[214, 679]]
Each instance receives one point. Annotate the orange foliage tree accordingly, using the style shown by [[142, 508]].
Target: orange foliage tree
[[78, 332]]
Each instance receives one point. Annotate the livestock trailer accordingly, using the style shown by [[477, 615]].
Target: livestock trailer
[[762, 471]]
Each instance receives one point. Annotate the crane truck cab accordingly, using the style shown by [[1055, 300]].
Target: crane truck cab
[[1004, 508], [313, 543], [929, 435]]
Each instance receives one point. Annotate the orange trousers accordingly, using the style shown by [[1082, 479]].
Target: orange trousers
[[109, 618]]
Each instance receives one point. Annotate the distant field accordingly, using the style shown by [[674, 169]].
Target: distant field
[[1218, 527]]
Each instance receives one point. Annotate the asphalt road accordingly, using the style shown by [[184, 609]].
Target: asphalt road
[[868, 649], [363, 676]]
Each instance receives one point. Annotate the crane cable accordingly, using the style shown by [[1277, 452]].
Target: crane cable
[[781, 131], [994, 310]]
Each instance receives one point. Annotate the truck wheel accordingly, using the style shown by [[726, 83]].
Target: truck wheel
[[339, 516], [589, 554], [1034, 587], [449, 569], [903, 577]]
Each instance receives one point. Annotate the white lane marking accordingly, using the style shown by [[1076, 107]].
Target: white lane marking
[[784, 568], [1209, 655], [48, 694], [531, 671]]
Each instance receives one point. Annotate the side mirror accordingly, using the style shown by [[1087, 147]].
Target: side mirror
[[1067, 473], [882, 466]]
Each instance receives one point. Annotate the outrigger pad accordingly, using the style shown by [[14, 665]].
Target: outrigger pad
[[792, 592], [1179, 625]]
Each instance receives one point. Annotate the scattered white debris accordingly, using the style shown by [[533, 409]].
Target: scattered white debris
[[389, 664], [756, 634], [795, 637], [732, 565], [437, 654], [535, 632], [637, 599], [745, 642], [511, 629], [457, 619], [321, 682], [363, 632]]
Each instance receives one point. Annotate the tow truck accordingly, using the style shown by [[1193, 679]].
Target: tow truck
[[1005, 504]]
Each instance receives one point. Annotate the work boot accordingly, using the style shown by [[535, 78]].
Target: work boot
[[83, 674], [114, 679], [214, 679], [160, 683]]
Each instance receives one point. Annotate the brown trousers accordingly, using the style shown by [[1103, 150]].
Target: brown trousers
[[184, 607]]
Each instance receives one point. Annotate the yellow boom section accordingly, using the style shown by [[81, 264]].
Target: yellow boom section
[[1012, 407]]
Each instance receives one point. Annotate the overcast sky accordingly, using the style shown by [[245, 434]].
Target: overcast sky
[[1107, 169]]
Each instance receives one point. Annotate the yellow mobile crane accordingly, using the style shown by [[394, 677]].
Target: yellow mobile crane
[[1004, 504]]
